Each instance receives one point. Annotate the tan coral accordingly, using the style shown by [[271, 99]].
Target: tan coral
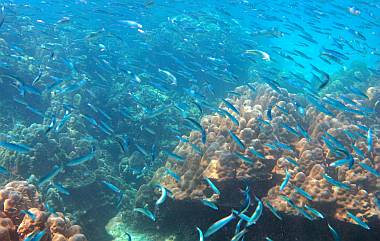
[[313, 156], [15, 225]]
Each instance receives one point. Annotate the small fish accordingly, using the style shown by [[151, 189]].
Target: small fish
[[82, 159], [146, 212], [212, 185], [112, 187], [265, 56], [315, 212], [61, 189], [20, 148], [292, 161], [273, 210], [358, 220], [244, 158], [237, 140], [269, 113], [153, 152], [219, 225], [209, 204], [29, 213], [335, 182], [197, 149], [286, 180], [290, 130], [239, 235], [38, 77], [201, 236], [268, 239], [369, 169], [123, 142], [230, 116], [231, 106], [256, 153], [198, 127], [131, 23], [172, 174], [129, 236], [341, 162], [50, 209], [369, 140], [39, 235], [64, 119], [170, 76], [51, 124], [141, 150], [257, 213], [334, 233], [164, 194], [50, 176], [174, 156], [303, 192]]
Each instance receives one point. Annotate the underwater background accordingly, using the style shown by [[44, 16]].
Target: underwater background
[[189, 120]]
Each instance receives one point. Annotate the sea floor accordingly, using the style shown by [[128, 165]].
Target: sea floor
[[118, 230]]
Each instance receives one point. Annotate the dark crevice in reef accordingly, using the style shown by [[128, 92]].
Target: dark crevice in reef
[[96, 209]]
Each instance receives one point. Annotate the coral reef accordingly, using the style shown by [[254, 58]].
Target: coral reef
[[271, 141], [23, 215]]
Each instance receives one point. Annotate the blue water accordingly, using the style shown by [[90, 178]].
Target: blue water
[[125, 75]]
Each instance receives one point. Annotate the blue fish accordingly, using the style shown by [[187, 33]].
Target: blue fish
[[269, 113], [314, 212], [369, 140], [51, 124], [244, 158], [146, 212], [273, 210], [82, 159], [164, 194], [209, 204], [292, 161], [334, 233], [231, 106], [237, 140], [172, 174], [212, 185], [369, 169], [39, 235], [141, 150], [303, 192], [230, 116], [63, 121], [335, 182], [20, 148], [286, 180], [358, 220], [174, 156], [199, 128], [61, 189], [201, 236], [219, 225], [29, 213], [112, 187], [240, 235], [50, 176], [256, 153], [290, 130]]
